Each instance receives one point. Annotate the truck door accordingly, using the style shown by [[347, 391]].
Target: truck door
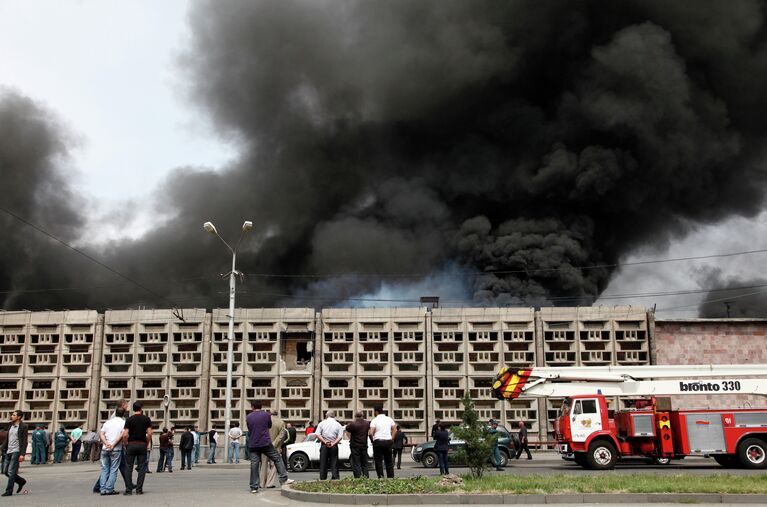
[[585, 419]]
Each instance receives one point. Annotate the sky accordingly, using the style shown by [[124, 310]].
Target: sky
[[110, 72]]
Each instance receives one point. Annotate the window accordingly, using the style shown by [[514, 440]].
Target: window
[[578, 409], [589, 406]]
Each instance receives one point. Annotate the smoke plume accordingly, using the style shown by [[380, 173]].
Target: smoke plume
[[517, 140]]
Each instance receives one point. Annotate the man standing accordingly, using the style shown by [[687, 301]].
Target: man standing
[[400, 441], [235, 433], [137, 434], [329, 432], [120, 410], [495, 450], [260, 444], [76, 438], [38, 445], [163, 460], [13, 450], [290, 438], [309, 429], [186, 445], [523, 441], [277, 434], [171, 449], [196, 435], [111, 436], [88, 441], [382, 431], [246, 451], [435, 428], [358, 445], [61, 440], [46, 449], [212, 443]]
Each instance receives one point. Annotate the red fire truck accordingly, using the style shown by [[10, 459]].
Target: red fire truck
[[651, 428]]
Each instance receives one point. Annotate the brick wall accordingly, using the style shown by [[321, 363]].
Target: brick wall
[[712, 342]]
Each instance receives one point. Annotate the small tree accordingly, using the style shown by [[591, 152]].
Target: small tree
[[476, 434]]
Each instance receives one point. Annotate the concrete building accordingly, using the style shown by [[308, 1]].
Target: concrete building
[[70, 367]]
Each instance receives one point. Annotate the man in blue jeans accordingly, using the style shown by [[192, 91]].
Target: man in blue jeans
[[196, 434], [212, 443], [260, 442], [13, 450], [111, 436], [120, 409]]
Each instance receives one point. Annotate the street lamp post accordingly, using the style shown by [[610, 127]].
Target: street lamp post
[[246, 227]]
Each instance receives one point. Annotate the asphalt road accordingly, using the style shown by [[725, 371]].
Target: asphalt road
[[70, 484]]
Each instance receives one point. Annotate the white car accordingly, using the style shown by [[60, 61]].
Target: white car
[[307, 453]]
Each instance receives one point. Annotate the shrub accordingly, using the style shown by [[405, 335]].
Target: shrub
[[479, 440]]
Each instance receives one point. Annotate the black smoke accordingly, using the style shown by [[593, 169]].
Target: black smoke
[[735, 297], [518, 140]]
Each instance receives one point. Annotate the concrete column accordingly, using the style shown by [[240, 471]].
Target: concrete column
[[651, 336], [540, 360], [316, 383], [429, 343], [96, 361], [207, 338]]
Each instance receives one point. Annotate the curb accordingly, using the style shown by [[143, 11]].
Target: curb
[[509, 498]]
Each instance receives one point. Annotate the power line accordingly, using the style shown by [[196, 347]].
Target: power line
[[503, 272], [80, 252]]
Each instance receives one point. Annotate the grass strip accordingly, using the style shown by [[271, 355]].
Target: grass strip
[[607, 482]]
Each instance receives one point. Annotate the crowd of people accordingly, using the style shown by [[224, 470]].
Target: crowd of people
[[124, 442]]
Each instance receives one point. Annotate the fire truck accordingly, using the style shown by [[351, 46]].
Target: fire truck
[[597, 437]]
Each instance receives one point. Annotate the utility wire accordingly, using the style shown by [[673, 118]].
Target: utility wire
[[503, 272], [87, 256]]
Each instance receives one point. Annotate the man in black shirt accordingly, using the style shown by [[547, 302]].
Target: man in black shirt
[[523, 441], [358, 445], [185, 446], [435, 428], [400, 441], [136, 437]]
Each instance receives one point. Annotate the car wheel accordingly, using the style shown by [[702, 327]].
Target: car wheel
[[602, 455], [299, 462], [346, 464], [753, 453], [504, 458], [661, 461], [429, 460]]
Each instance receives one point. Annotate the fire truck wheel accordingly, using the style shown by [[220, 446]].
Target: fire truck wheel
[[580, 459], [602, 455], [753, 453]]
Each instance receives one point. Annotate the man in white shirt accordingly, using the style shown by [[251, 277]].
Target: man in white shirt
[[111, 435], [234, 437], [382, 433], [329, 432]]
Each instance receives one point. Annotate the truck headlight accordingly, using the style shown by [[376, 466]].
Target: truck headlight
[[418, 449]]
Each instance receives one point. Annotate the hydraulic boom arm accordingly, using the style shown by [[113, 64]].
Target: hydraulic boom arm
[[656, 380]]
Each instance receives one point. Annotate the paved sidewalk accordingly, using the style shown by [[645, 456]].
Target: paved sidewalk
[[70, 485]]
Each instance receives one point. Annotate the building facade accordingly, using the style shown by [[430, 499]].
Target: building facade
[[70, 367]]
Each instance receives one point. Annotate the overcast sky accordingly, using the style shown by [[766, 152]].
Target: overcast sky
[[108, 69]]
